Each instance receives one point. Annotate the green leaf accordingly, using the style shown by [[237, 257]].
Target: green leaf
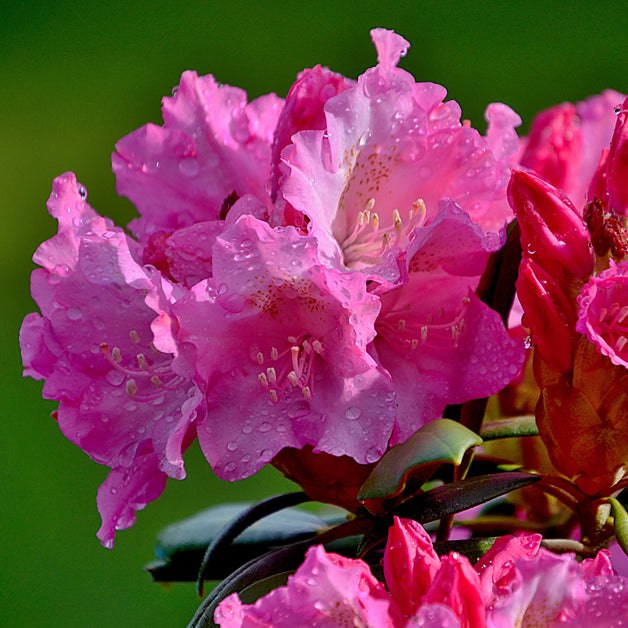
[[435, 443], [473, 549], [509, 428], [180, 546], [621, 523], [458, 496]]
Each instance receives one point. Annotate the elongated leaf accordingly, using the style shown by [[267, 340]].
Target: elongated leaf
[[180, 547], [435, 443], [621, 523], [509, 428], [458, 496]]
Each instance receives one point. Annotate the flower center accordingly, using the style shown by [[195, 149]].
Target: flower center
[[407, 333], [147, 381], [290, 368], [613, 323], [366, 244]]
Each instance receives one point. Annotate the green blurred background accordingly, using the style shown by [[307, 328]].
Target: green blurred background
[[76, 77]]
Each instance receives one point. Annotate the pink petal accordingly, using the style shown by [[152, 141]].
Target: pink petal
[[212, 144]]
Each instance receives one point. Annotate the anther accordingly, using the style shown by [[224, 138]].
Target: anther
[[293, 379], [116, 355], [260, 358], [274, 354], [135, 337], [272, 375], [370, 204], [263, 380], [272, 393], [317, 345], [307, 393], [131, 387], [397, 220], [157, 383], [375, 221]]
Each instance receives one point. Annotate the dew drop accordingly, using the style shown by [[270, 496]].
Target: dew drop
[[189, 167], [232, 446], [353, 413], [75, 314]]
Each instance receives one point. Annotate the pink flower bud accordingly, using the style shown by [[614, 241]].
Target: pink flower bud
[[551, 230], [554, 147], [549, 315]]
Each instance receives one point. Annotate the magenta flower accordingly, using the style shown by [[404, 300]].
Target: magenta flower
[[281, 352], [391, 149], [212, 144], [119, 398], [517, 583], [526, 585], [603, 312]]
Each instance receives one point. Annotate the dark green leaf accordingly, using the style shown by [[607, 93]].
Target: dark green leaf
[[436, 442], [457, 496], [181, 546], [473, 549]]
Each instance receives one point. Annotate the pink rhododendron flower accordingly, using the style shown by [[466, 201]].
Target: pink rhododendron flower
[[603, 312], [119, 399], [391, 187], [212, 144], [327, 590], [526, 585], [391, 149], [281, 349], [516, 584]]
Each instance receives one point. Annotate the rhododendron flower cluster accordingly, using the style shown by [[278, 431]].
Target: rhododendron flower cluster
[[517, 583], [302, 274], [310, 284]]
